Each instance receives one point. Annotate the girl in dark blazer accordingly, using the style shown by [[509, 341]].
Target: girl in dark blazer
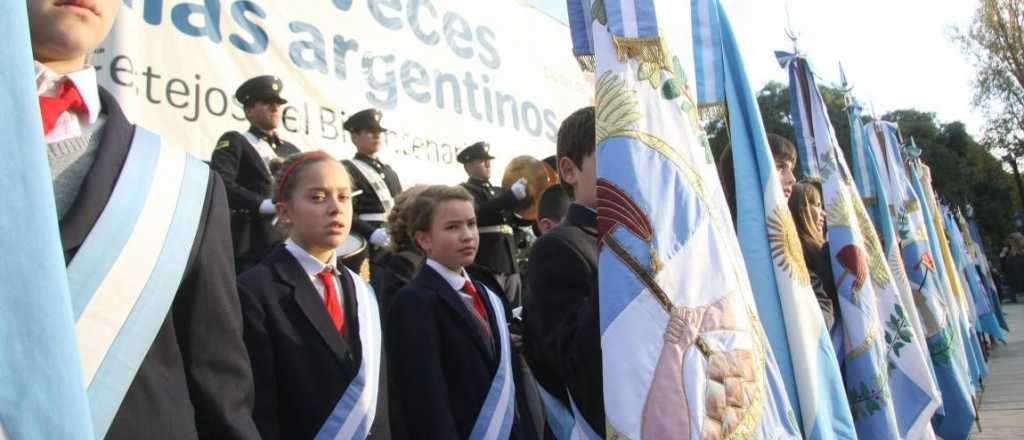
[[312, 326], [809, 217], [447, 334]]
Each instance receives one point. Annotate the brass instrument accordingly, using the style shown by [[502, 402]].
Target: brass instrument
[[539, 176]]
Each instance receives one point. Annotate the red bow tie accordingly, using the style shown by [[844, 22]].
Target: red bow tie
[[68, 99]]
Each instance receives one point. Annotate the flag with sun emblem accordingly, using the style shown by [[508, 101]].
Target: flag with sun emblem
[[920, 178], [684, 353], [898, 205], [888, 381], [771, 249]]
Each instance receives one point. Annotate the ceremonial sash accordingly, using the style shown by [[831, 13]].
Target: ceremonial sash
[[565, 423], [353, 414], [559, 418], [255, 143], [495, 418], [126, 273], [376, 183]]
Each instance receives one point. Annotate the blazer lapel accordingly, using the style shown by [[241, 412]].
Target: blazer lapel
[[99, 183], [291, 273], [429, 278]]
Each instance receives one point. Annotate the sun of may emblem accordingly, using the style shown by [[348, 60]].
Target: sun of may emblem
[[785, 245]]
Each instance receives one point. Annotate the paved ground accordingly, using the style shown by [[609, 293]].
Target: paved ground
[[1002, 404]]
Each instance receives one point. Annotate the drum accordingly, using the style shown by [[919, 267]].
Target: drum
[[353, 254], [351, 247]]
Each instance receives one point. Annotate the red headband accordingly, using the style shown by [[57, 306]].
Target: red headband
[[304, 157]]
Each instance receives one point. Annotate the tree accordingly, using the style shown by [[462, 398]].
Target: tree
[[963, 172], [994, 41]]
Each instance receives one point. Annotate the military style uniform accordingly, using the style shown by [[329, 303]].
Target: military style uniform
[[494, 218], [376, 180], [243, 161]]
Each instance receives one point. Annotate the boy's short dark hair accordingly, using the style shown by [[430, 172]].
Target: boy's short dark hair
[[782, 148], [554, 204], [576, 139]]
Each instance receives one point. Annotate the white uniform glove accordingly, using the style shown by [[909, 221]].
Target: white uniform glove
[[267, 207], [519, 188], [380, 238]]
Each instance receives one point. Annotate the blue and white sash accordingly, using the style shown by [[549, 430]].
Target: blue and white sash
[[495, 418], [125, 275], [565, 423], [353, 414]]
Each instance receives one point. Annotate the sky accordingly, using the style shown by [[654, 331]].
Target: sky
[[896, 54]]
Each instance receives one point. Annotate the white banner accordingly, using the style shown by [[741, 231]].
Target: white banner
[[446, 73]]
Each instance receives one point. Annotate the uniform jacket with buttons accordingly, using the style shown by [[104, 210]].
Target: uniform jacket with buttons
[[248, 182], [493, 208], [368, 202]]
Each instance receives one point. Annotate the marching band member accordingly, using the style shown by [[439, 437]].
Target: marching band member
[[493, 212], [243, 161], [145, 232], [375, 181], [312, 327], [448, 338]]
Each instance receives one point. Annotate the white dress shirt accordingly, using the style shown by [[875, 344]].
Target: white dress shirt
[[69, 124], [457, 281], [313, 266]]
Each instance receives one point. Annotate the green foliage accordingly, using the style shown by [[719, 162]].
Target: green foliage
[[867, 399], [897, 331], [963, 171], [994, 42], [941, 347]]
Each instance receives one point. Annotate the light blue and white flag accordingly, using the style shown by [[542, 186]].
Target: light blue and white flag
[[899, 207], [957, 303], [983, 309], [985, 266], [772, 252], [42, 395], [888, 381], [685, 355]]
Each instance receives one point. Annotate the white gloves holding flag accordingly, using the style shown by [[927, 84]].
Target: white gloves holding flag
[[380, 238], [267, 207], [519, 188]]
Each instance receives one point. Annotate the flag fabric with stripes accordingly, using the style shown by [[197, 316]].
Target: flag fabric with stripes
[[898, 205], [986, 320], [42, 395], [920, 176], [684, 352], [771, 249], [887, 377]]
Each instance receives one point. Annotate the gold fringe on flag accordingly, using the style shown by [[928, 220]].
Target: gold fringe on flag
[[645, 50], [588, 63], [713, 111]]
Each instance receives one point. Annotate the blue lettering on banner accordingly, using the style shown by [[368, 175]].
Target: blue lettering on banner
[[388, 78]]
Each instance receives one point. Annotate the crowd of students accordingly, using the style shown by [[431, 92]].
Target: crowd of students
[[272, 333]]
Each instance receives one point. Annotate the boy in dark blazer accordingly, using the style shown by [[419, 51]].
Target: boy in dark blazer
[[562, 337], [193, 380]]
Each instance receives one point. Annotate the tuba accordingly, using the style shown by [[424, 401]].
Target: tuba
[[539, 177]]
